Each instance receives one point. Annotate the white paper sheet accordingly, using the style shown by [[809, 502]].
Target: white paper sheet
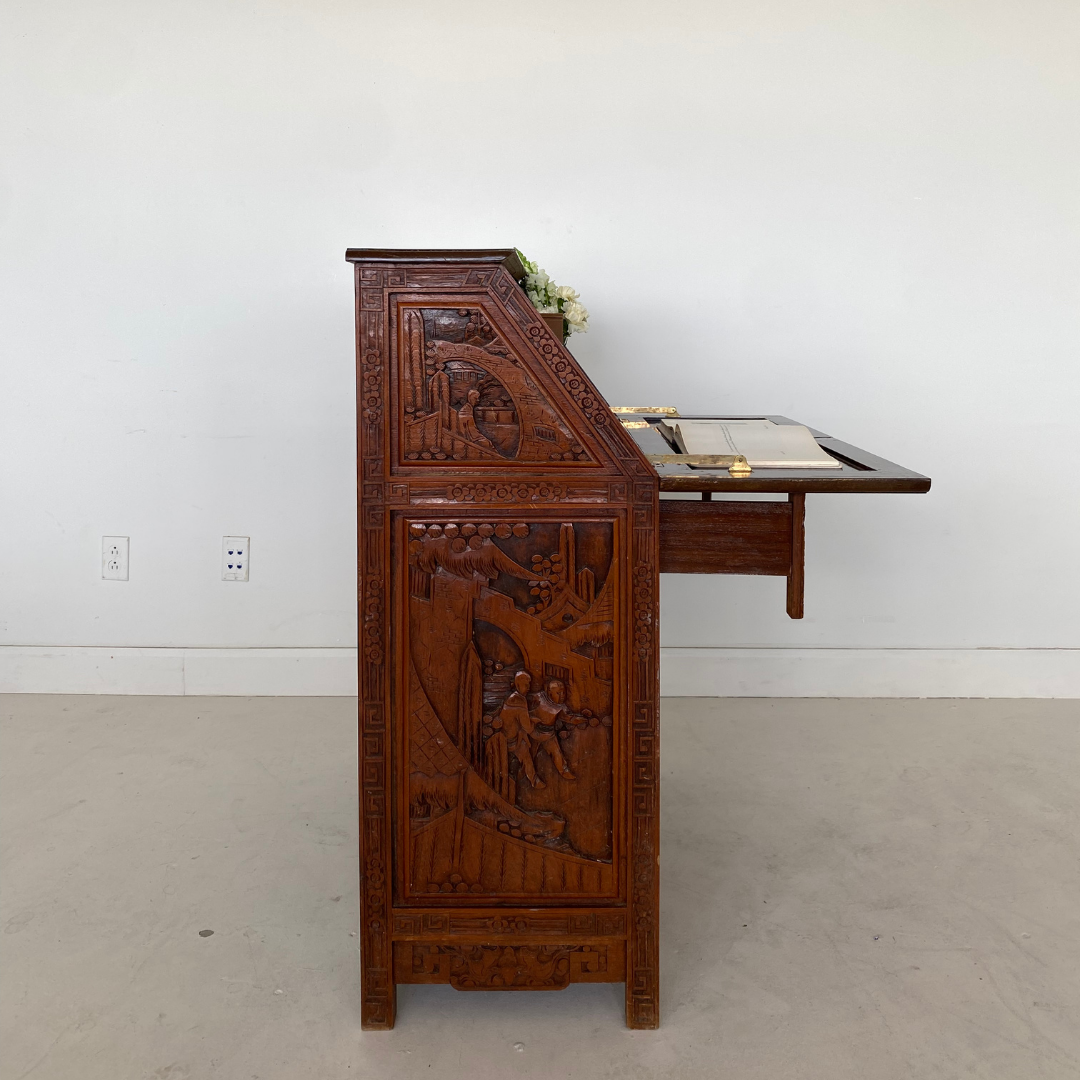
[[765, 445]]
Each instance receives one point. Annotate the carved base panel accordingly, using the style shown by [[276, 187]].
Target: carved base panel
[[537, 965]]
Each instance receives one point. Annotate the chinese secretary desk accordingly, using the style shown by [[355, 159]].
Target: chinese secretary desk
[[511, 536]]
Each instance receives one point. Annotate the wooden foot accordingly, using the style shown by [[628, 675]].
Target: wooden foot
[[642, 995], [378, 1007]]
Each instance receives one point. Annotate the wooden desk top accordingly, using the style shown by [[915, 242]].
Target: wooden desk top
[[860, 470]]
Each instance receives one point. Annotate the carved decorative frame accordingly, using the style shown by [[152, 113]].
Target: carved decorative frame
[[493, 944]]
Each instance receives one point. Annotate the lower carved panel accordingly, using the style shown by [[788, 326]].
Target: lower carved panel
[[509, 967], [511, 709]]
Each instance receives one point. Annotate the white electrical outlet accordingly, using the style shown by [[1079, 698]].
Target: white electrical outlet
[[114, 558], [234, 558]]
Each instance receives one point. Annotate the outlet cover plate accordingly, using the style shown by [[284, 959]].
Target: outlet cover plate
[[234, 558], [114, 558]]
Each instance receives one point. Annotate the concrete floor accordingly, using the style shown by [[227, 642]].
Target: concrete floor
[[852, 889]]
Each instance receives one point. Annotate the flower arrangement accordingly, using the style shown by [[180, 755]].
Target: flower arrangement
[[551, 299]]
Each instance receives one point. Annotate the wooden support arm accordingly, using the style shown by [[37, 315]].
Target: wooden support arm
[[796, 575], [726, 537]]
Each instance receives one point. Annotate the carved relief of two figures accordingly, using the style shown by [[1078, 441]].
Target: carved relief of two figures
[[526, 725]]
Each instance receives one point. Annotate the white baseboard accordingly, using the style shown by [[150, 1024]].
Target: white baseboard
[[900, 673], [237, 672], [825, 672]]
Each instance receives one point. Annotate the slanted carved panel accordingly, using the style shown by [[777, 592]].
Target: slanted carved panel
[[467, 397], [512, 708]]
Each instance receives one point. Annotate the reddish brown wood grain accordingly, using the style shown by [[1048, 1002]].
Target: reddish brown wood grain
[[698, 537], [508, 558], [556, 324], [717, 537], [795, 581], [509, 542]]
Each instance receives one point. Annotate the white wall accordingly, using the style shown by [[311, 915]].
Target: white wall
[[863, 215]]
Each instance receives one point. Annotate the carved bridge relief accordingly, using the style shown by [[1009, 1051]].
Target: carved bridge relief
[[510, 700], [466, 397]]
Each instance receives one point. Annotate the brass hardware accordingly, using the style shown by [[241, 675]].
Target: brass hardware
[[661, 410], [737, 463], [635, 423]]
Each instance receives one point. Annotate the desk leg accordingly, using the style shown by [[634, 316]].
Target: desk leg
[[798, 555]]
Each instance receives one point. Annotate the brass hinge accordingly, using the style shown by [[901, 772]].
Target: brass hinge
[[653, 410], [736, 463]]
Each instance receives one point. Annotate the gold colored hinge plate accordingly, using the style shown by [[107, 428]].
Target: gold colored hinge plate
[[646, 410], [736, 463]]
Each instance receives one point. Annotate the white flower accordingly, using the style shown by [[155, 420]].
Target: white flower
[[541, 290], [541, 293], [551, 299], [576, 317]]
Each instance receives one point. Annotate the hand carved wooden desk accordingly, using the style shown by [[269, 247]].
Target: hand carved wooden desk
[[510, 541]]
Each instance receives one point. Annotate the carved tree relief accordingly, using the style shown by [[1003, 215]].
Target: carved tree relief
[[511, 641]]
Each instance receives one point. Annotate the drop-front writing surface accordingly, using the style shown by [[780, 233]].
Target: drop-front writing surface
[[508, 672]]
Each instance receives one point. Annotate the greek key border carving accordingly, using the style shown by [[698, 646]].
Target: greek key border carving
[[377, 990], [643, 947]]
